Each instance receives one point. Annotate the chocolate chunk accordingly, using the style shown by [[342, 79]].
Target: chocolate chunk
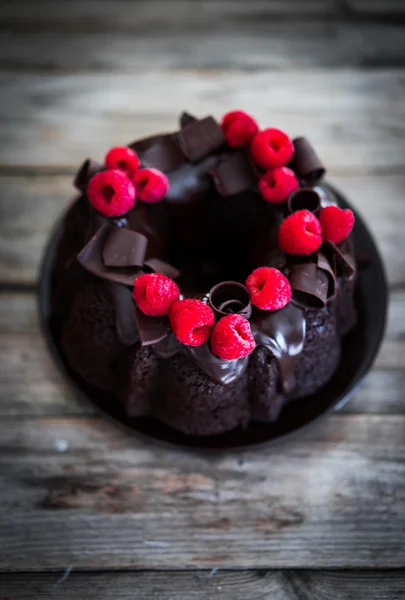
[[305, 162], [304, 198], [124, 308], [159, 152], [324, 264], [160, 266], [91, 258], [200, 138], [150, 329], [234, 174], [310, 285], [124, 248], [230, 297], [186, 119], [89, 168]]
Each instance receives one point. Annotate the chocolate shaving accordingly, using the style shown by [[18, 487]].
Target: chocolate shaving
[[160, 152], [124, 308], [310, 285], [324, 264], [304, 198], [150, 329], [160, 266], [89, 168], [305, 162], [200, 138], [186, 119], [230, 297], [234, 174], [344, 261], [124, 248]]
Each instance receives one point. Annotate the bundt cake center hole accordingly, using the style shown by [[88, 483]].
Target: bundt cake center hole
[[108, 193]]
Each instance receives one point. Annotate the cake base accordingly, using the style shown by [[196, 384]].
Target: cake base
[[359, 349]]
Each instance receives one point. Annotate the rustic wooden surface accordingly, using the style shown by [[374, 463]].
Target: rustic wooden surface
[[85, 509]]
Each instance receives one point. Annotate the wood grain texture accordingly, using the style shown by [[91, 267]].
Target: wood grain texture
[[31, 384], [30, 205], [244, 585], [80, 492], [353, 118]]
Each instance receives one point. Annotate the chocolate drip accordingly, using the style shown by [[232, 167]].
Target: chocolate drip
[[168, 347], [305, 162], [221, 371], [124, 308], [283, 333]]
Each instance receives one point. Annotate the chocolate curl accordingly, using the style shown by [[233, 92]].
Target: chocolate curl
[[89, 168], [125, 323], [234, 174], [343, 257], [230, 297], [91, 258], [186, 119], [160, 266], [304, 198], [310, 285], [200, 138], [124, 248], [324, 264], [159, 152], [151, 330], [305, 162]]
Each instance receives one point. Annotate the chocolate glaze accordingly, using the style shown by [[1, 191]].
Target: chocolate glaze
[[124, 309], [283, 333], [221, 371]]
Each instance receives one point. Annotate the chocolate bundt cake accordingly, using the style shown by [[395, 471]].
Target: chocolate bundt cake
[[205, 277]]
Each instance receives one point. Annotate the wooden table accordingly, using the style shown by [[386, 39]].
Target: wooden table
[[86, 511]]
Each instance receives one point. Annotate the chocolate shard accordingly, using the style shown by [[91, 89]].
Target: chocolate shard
[[124, 307], [305, 162], [234, 174], [304, 198], [186, 119], [310, 285], [324, 264], [230, 297], [200, 138], [160, 266], [89, 168], [159, 152], [124, 248], [91, 259], [151, 330], [344, 261]]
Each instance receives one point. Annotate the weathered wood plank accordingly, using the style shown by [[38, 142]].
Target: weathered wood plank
[[244, 585], [80, 492], [29, 206], [354, 118], [268, 45]]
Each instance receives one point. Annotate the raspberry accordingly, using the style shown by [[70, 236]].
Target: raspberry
[[111, 193], [232, 338], [336, 223], [271, 148], [277, 184], [239, 128], [151, 185], [269, 289], [300, 233], [191, 321], [122, 158], [155, 293]]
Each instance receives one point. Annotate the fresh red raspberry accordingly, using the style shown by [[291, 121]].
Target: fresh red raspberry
[[277, 184], [191, 321], [300, 233], [232, 338], [122, 158], [154, 294], [151, 185], [239, 128], [336, 223], [111, 193], [271, 148], [269, 289]]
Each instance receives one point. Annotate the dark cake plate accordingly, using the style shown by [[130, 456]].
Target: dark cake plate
[[359, 349]]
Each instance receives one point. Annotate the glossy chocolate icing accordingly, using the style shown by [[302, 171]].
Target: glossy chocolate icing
[[212, 201]]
